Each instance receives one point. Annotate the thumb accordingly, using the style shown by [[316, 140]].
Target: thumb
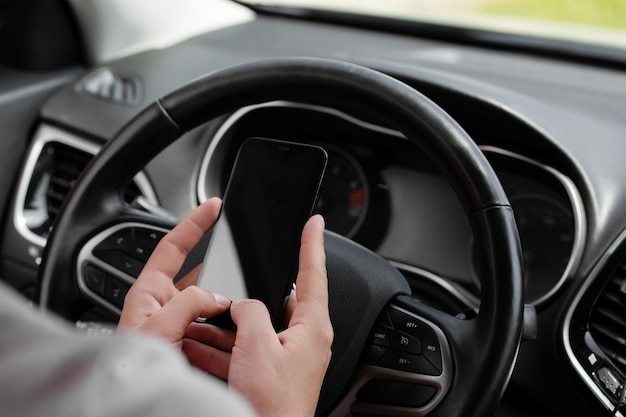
[[254, 326]]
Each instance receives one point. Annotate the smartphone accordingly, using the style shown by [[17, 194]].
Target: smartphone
[[254, 246]]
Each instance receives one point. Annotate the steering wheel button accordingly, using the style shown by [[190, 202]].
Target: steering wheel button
[[406, 343], [382, 336], [121, 261], [408, 362], [115, 241], [138, 250], [406, 323], [148, 235], [116, 292], [95, 279], [431, 348]]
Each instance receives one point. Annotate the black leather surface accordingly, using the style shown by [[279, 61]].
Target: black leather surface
[[355, 303]]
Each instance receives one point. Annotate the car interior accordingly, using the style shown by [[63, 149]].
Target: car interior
[[474, 195]]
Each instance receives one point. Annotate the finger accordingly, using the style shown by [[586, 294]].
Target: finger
[[254, 326], [211, 335], [172, 320], [190, 279], [172, 250], [311, 282], [207, 358]]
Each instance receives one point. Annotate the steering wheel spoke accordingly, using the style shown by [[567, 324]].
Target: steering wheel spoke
[[406, 367], [110, 262]]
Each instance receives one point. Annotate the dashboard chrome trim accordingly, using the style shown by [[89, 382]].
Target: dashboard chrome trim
[[236, 116], [567, 323], [578, 210], [575, 199], [46, 134]]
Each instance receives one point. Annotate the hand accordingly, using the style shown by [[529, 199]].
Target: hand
[[154, 305], [281, 374]]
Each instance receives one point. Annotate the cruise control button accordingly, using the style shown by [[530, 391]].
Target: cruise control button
[[406, 323], [382, 336], [408, 362], [431, 348], [405, 343]]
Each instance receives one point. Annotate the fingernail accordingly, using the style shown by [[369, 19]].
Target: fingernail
[[320, 220], [221, 299]]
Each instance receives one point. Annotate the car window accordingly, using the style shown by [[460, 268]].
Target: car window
[[601, 22]]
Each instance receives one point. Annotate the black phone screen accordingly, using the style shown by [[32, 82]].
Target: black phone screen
[[271, 193]]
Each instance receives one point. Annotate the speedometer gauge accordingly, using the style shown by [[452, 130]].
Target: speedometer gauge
[[547, 234], [344, 195], [546, 231]]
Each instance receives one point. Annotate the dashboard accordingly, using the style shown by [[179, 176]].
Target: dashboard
[[378, 191], [553, 130]]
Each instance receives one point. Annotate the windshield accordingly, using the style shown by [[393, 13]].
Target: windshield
[[600, 22]]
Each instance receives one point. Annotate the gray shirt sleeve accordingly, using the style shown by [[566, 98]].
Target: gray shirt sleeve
[[49, 369]]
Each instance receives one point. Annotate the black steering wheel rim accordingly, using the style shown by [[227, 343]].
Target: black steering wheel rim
[[482, 368]]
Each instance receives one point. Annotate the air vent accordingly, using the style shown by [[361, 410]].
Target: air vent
[[56, 171], [607, 323], [112, 86]]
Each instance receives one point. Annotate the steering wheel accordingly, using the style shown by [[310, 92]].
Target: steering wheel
[[392, 355]]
